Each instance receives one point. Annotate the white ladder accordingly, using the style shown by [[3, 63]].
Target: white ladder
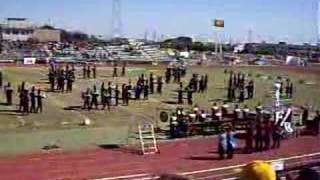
[[148, 139]]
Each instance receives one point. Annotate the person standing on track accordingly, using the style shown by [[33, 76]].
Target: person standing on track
[[39, 101], [94, 71], [9, 91], [123, 71], [227, 143], [33, 100]]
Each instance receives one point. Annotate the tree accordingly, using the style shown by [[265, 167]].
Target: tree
[[180, 43], [198, 46]]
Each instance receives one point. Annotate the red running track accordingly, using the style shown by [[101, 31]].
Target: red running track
[[175, 157]]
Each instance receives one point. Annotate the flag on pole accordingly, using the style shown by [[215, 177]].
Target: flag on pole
[[219, 23]]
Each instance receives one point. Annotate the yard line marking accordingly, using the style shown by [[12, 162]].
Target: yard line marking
[[149, 176], [124, 177]]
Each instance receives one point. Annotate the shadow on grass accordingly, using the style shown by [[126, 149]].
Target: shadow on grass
[[10, 112], [109, 146], [170, 102], [3, 104], [119, 148], [217, 100], [73, 108]]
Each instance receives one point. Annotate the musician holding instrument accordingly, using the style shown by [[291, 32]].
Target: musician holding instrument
[[316, 123]]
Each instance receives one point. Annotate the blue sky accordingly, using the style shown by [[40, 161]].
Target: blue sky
[[273, 20]]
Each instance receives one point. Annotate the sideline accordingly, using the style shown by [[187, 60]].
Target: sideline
[[150, 176]]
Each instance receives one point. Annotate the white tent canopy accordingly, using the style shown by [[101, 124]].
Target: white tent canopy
[[295, 61]]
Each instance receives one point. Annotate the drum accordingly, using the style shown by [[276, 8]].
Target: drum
[[193, 117], [164, 117], [204, 116]]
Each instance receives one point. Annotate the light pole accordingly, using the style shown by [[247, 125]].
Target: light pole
[[218, 25]]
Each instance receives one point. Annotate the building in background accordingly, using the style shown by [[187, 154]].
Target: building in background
[[16, 29], [46, 34], [20, 29]]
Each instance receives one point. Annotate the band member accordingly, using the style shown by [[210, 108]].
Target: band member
[[267, 134], [88, 72], [206, 82], [33, 100], [125, 95], [123, 71], [224, 110], [259, 136], [178, 75], [25, 101], [159, 87], [1, 79], [9, 92], [61, 78], [70, 80], [305, 115], [104, 97], [189, 95], [94, 98], [249, 136], [94, 71], [115, 70], [250, 89], [138, 91], [84, 71], [245, 113], [86, 99], [229, 93], [21, 100], [168, 75], [117, 92], [276, 135], [291, 90], [146, 91], [241, 94], [287, 88], [51, 77], [236, 114], [39, 101], [201, 85], [151, 81], [73, 69], [281, 88], [108, 100], [233, 93], [180, 94], [316, 123], [215, 112]]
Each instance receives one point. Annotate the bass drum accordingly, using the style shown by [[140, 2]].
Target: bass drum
[[164, 116]]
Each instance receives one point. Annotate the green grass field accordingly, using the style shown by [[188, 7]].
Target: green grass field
[[22, 134]]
